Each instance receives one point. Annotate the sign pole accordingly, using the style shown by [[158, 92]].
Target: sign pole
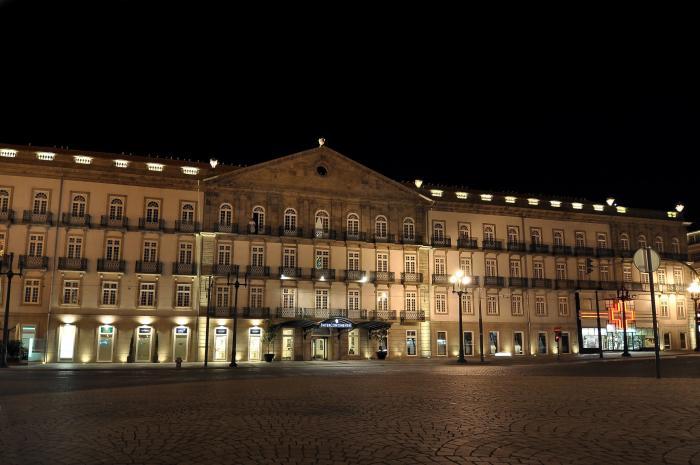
[[653, 312]]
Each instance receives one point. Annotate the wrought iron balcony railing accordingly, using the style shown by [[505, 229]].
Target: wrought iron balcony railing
[[564, 284], [411, 278], [7, 216], [382, 276], [32, 262], [255, 312], [604, 252], [223, 269], [441, 241], [114, 266], [355, 236], [184, 269], [151, 225], [467, 243], [187, 226], [516, 246], [355, 275], [149, 267], [73, 264], [441, 278], [30, 217], [580, 251], [297, 232], [110, 222], [289, 272], [323, 274], [258, 271], [323, 234], [412, 315], [517, 282], [562, 250], [491, 245], [69, 219], [414, 239], [227, 227], [541, 283], [494, 281], [539, 248], [382, 315]]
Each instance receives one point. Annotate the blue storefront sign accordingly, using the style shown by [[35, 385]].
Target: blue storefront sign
[[342, 323]]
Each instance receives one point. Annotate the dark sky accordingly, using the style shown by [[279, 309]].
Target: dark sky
[[196, 83]]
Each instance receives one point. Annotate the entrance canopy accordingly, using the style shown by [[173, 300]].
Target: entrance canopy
[[336, 323]]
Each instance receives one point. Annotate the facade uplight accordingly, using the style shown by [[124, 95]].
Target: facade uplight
[[82, 159], [532, 201], [555, 203], [191, 170], [486, 197], [621, 209], [45, 156], [511, 199], [577, 205], [8, 153], [598, 207], [672, 214], [436, 192], [461, 195], [155, 166], [121, 163]]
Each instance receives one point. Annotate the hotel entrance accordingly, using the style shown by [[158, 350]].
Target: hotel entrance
[[182, 335], [319, 348], [288, 344], [144, 336], [254, 344]]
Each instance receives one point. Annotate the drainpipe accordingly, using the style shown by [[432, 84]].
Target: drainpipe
[[53, 271]]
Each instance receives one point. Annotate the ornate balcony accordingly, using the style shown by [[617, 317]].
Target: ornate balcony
[[604, 252], [187, 226], [7, 216], [184, 269], [539, 248], [221, 269], [258, 271], [383, 239], [356, 314], [541, 283], [30, 217], [587, 284], [73, 264], [151, 225], [291, 313], [113, 266], [255, 312], [382, 315], [289, 272], [636, 286], [564, 284], [223, 311], [33, 263], [382, 276], [441, 279], [323, 234], [298, 232], [323, 274], [149, 267], [355, 275], [226, 227], [119, 223], [415, 239], [583, 251], [625, 253], [491, 245], [255, 230], [494, 281], [562, 250], [355, 236], [411, 278], [516, 246], [517, 282], [444, 241], [412, 315], [69, 219], [679, 257], [467, 243], [610, 285]]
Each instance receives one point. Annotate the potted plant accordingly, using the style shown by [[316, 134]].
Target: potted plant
[[268, 338], [381, 336]]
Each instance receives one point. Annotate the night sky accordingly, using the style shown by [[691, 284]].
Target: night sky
[[173, 84]]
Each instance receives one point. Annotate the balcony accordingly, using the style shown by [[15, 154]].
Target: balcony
[[222, 311], [541, 283], [412, 315], [108, 222], [72, 264], [255, 230], [255, 312], [298, 232], [67, 219], [411, 278], [111, 266], [256, 271], [679, 257], [626, 253], [491, 245], [355, 236], [289, 272], [30, 217], [33, 263], [382, 315], [494, 281], [7, 216], [583, 251], [539, 248], [323, 234], [149, 267], [564, 284], [636, 286], [517, 282], [466, 243], [356, 314], [444, 241], [415, 239], [223, 269], [562, 250], [609, 285], [283, 312], [226, 227], [323, 274], [382, 276], [383, 239], [441, 279], [587, 284], [184, 269], [356, 275], [516, 246], [604, 252], [187, 226], [314, 313], [151, 225]]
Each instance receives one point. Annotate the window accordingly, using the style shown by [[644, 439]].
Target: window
[[515, 268], [150, 251], [489, 233], [439, 231], [518, 342], [147, 294], [71, 290], [322, 259], [602, 240], [409, 229], [516, 305], [604, 272], [491, 268], [4, 200], [290, 219], [542, 343], [465, 231], [442, 343], [78, 205], [258, 225], [491, 305], [581, 272], [380, 227], [322, 221], [185, 253], [644, 277], [411, 301], [187, 213], [513, 234], [540, 307], [627, 273], [440, 265], [678, 276], [257, 255], [110, 290], [2, 250], [225, 214], [664, 308], [536, 236], [289, 297], [558, 237], [257, 297], [659, 244], [289, 257], [382, 300], [224, 254], [411, 342], [624, 242], [113, 249], [465, 264], [353, 260], [684, 341], [563, 306], [440, 302], [661, 276], [31, 291], [409, 263], [382, 261], [41, 203], [36, 245], [675, 246], [642, 240], [680, 309], [116, 209], [183, 295], [538, 270], [467, 303], [493, 342], [468, 343], [353, 224], [322, 299], [75, 247], [353, 299], [580, 239], [222, 296], [353, 342], [152, 211], [561, 270]]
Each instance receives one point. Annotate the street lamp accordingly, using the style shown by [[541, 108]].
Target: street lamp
[[623, 295], [6, 269], [694, 290], [459, 286], [236, 284]]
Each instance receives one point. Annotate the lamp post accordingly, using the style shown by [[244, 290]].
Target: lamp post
[[236, 284], [623, 295], [6, 269], [459, 286], [694, 290]]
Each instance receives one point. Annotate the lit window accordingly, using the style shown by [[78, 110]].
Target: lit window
[[577, 206], [121, 163], [461, 195], [155, 166], [8, 153], [486, 197], [436, 192], [82, 159], [555, 203], [191, 170], [533, 201], [45, 156], [671, 214], [511, 199], [622, 209], [598, 207]]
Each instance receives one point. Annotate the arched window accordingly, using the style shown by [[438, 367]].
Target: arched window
[[225, 214], [257, 225], [353, 224], [322, 221], [152, 212], [4, 201], [116, 209], [536, 236], [464, 231], [513, 235], [409, 229], [642, 240], [78, 204], [290, 219], [41, 203], [558, 237], [624, 241], [659, 244], [438, 232], [187, 213], [676, 245], [489, 234], [380, 227]]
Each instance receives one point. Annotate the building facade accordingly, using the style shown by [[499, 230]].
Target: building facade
[[137, 259]]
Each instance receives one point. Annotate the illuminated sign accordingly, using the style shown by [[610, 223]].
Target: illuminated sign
[[106, 329], [254, 330], [180, 330], [336, 323], [144, 330], [221, 331]]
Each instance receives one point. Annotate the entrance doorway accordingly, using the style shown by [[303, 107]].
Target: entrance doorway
[[105, 343], [254, 344], [143, 343], [319, 348], [29, 343], [182, 335], [288, 344], [220, 344]]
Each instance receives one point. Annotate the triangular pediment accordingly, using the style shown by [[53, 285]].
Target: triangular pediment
[[320, 171]]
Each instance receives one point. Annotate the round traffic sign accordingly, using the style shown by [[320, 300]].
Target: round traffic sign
[[640, 260]]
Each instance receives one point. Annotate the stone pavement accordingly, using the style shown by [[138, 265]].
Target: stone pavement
[[355, 413]]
